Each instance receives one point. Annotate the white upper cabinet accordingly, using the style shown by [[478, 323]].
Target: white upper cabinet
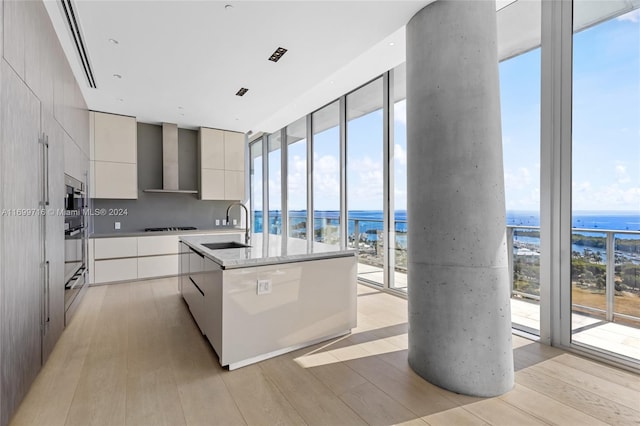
[[114, 156], [234, 151], [221, 173], [115, 138], [211, 143]]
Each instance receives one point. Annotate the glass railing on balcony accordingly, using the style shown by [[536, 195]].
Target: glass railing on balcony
[[367, 236], [523, 245], [605, 271], [605, 274]]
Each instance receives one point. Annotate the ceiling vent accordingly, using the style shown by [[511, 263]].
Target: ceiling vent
[[76, 34], [275, 56], [242, 91]]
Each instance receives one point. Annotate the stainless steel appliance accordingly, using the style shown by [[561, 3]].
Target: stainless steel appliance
[[75, 245], [171, 228]]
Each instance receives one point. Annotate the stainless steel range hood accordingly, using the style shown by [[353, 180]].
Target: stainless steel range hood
[[170, 172]]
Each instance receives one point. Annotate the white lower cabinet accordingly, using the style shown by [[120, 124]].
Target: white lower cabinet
[[115, 270], [130, 258], [213, 304], [111, 248], [158, 266], [195, 299], [157, 245]]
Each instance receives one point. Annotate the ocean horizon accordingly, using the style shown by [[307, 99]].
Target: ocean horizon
[[371, 221]]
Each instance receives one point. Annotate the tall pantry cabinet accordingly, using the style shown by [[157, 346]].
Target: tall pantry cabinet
[[44, 122]]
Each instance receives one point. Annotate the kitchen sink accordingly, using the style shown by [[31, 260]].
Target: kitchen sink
[[225, 245]]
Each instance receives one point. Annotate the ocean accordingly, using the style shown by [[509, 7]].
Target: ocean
[[372, 219], [370, 223]]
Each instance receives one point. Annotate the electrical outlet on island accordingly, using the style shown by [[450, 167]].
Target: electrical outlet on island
[[264, 287]]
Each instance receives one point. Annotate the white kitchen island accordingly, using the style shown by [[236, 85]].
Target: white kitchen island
[[261, 301]]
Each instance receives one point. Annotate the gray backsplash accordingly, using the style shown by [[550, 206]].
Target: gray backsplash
[[155, 210]]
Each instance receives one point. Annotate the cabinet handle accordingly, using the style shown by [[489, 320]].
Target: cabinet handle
[[194, 283], [46, 150], [46, 301], [48, 306], [44, 140]]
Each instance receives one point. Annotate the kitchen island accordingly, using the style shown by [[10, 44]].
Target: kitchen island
[[277, 295]]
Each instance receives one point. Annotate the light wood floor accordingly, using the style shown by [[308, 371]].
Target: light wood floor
[[133, 356]]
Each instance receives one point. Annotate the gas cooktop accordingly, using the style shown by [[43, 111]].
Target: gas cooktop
[[171, 228]]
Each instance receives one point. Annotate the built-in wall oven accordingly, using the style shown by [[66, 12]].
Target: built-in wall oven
[[75, 244]]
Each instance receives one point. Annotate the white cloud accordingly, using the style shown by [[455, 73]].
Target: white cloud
[[365, 180], [297, 182], [586, 196], [621, 174], [400, 112], [326, 182], [522, 188], [517, 180], [400, 155], [633, 16]]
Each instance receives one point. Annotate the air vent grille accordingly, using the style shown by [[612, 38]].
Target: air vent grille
[[76, 34], [275, 56], [242, 91]]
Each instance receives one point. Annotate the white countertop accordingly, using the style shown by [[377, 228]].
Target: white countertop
[[272, 251]]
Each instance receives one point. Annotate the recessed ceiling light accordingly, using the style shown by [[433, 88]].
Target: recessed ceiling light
[[118, 76], [392, 44], [275, 56], [113, 41], [242, 91]]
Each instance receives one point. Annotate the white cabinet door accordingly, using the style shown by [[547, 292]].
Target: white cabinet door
[[115, 138], [213, 304], [233, 185], [221, 164], [158, 266], [195, 299], [234, 151], [158, 244], [212, 144], [212, 184], [114, 150], [115, 270], [115, 180], [109, 248]]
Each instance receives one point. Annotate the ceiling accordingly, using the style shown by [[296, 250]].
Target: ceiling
[[183, 61]]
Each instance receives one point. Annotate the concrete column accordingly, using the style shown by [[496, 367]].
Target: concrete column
[[459, 310]]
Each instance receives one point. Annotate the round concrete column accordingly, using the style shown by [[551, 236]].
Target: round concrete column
[[459, 290]]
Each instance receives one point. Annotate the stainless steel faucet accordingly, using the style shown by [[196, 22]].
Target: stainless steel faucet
[[247, 233]]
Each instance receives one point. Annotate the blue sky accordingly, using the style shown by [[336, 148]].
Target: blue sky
[[606, 134], [606, 120]]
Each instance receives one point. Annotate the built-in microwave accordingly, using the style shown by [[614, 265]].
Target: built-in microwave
[[74, 204]]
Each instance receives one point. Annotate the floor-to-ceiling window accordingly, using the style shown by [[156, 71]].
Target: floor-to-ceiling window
[[520, 104], [256, 185], [326, 174], [605, 246], [297, 178], [365, 179], [275, 184], [398, 172]]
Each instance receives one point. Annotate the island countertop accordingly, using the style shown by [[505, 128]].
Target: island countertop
[[271, 251]]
